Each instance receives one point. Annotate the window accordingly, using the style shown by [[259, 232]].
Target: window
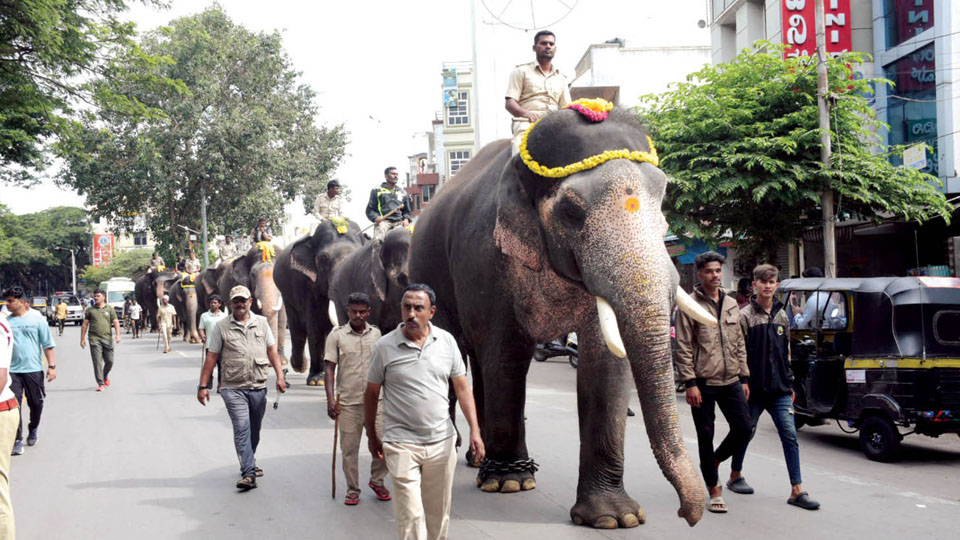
[[427, 192], [817, 309], [912, 103], [457, 114], [946, 327], [140, 238], [458, 158], [906, 19]]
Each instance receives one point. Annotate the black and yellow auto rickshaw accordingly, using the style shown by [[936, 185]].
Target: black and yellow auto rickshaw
[[877, 353]]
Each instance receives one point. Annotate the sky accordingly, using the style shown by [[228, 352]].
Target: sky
[[375, 65]]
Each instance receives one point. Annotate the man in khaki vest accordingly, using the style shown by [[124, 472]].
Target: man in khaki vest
[[246, 349]]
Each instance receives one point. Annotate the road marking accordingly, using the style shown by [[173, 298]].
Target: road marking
[[181, 354]]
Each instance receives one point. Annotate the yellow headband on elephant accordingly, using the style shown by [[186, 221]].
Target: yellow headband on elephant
[[595, 110]]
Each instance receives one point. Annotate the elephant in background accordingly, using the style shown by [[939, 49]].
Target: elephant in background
[[517, 259], [183, 296], [146, 289], [207, 285], [303, 272], [254, 270], [383, 277]]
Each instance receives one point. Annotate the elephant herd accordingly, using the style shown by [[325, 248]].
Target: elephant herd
[[518, 254]]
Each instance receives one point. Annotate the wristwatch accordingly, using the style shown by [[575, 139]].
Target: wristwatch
[[201, 387], [51, 367]]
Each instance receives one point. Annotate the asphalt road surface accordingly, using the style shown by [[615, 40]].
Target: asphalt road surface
[[144, 460]]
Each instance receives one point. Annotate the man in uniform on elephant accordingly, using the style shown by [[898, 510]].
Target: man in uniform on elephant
[[192, 265], [536, 88], [346, 361], [415, 365], [330, 204], [388, 207], [228, 250], [156, 262], [712, 362]]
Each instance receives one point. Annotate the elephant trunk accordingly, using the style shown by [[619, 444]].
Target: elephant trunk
[[191, 307], [270, 303]]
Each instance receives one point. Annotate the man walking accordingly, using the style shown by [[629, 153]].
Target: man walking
[[388, 207], [347, 360], [246, 348], [415, 364], [329, 205], [536, 88], [766, 328], [165, 315], [207, 321], [98, 320], [31, 343], [712, 363], [9, 420], [135, 313], [61, 315]]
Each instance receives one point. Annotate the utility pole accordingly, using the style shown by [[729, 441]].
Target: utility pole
[[203, 222], [826, 197]]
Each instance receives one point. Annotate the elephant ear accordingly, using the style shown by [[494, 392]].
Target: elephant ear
[[517, 232], [209, 282], [301, 258], [240, 271], [378, 275]]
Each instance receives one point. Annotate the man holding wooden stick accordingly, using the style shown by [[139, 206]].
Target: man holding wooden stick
[[347, 358], [388, 207]]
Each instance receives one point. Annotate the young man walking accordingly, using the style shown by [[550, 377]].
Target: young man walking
[[712, 362], [207, 322], [247, 349], [31, 343], [415, 365], [766, 328], [61, 315], [136, 313], [97, 320], [347, 360]]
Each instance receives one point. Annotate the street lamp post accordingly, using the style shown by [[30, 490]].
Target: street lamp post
[[73, 264]]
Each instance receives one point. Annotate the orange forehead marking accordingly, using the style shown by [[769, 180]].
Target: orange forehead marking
[[632, 204], [268, 273]]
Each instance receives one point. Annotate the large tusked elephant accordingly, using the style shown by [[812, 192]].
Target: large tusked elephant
[[183, 296], [519, 258], [254, 270], [303, 272], [382, 277]]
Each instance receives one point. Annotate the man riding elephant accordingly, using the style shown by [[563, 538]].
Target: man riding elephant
[[565, 237]]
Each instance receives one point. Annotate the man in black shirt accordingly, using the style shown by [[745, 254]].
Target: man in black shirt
[[389, 206]]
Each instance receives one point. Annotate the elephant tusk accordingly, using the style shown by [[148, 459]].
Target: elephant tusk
[[279, 304], [609, 329], [332, 313], [690, 306], [259, 304]]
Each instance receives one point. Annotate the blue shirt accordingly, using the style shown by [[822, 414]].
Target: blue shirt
[[31, 335]]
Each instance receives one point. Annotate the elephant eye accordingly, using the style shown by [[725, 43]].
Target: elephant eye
[[571, 213]]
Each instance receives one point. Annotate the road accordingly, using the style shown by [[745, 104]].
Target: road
[[145, 460]]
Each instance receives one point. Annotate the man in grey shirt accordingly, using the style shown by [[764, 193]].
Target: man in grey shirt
[[414, 365]]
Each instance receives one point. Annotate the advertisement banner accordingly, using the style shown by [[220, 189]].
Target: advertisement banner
[[799, 27], [913, 17], [102, 249]]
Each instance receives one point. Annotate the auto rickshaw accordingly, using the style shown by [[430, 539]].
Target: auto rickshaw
[[878, 353]]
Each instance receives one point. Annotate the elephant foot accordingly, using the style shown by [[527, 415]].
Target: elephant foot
[[315, 379], [607, 511], [507, 476], [298, 364]]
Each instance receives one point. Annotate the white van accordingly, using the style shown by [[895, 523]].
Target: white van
[[117, 289]]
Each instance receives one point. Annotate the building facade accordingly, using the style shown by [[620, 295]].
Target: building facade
[[459, 118]]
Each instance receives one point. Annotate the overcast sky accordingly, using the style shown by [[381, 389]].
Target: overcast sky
[[376, 65]]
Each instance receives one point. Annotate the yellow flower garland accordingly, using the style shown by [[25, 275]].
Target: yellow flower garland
[[340, 224], [592, 161], [267, 251]]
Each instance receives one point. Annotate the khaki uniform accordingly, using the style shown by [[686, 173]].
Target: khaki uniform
[[536, 91], [193, 265], [165, 315], [325, 208], [351, 352]]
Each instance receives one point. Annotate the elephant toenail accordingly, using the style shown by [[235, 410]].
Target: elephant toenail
[[529, 484], [605, 522], [629, 520], [490, 486], [510, 486]]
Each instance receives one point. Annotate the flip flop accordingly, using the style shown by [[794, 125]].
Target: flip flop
[[352, 499], [258, 472], [804, 501], [717, 505], [247, 483], [740, 486]]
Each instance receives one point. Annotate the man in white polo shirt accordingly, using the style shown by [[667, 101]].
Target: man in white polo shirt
[[414, 365]]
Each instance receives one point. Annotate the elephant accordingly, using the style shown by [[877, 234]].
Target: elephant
[[519, 257], [183, 296], [303, 273], [382, 277], [207, 285], [146, 290], [254, 270]]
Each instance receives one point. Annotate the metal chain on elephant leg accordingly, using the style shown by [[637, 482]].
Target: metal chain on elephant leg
[[496, 467]]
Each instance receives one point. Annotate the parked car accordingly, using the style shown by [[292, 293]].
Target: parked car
[[74, 308], [878, 354]]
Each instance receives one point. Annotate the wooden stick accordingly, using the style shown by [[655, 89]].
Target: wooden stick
[[388, 214], [336, 431]]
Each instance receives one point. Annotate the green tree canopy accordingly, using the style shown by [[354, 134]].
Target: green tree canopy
[[741, 143], [131, 264], [240, 125], [47, 49], [28, 257]]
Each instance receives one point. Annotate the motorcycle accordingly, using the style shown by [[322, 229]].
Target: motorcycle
[[563, 346]]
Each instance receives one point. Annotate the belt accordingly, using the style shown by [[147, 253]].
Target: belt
[[11, 403]]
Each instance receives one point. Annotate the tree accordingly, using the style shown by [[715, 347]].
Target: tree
[[740, 142], [239, 126], [47, 48], [129, 264], [28, 254]]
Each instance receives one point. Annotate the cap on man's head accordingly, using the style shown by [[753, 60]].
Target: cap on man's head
[[239, 292]]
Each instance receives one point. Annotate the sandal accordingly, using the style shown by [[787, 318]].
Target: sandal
[[804, 501], [352, 499], [382, 492], [717, 505], [740, 485], [247, 483], [258, 472]]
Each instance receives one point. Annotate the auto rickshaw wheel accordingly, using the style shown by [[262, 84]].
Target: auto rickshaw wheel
[[879, 438]]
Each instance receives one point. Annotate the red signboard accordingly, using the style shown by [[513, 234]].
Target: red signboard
[[913, 17], [102, 249], [799, 27]]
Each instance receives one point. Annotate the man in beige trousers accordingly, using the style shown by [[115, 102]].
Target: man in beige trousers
[[414, 365], [347, 359]]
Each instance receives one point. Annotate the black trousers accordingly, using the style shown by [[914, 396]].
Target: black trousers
[[32, 383], [733, 405]]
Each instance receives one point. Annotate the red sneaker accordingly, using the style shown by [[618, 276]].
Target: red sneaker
[[101, 388], [106, 382], [382, 492]]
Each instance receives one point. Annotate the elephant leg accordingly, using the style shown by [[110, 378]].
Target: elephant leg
[[298, 338], [282, 335], [318, 328], [504, 362], [602, 397]]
